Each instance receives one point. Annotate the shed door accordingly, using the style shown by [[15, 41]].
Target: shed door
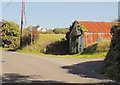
[[80, 43]]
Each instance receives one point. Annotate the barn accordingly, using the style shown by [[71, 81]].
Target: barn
[[83, 33]]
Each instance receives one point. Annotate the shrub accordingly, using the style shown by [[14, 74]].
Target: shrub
[[58, 48], [103, 46], [26, 39], [98, 47], [60, 30], [112, 60], [35, 34], [10, 34], [29, 36]]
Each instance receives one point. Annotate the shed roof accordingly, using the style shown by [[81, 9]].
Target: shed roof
[[97, 26]]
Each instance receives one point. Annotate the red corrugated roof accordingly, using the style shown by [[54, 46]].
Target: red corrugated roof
[[97, 26]]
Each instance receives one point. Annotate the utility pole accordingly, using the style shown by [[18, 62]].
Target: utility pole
[[22, 22]]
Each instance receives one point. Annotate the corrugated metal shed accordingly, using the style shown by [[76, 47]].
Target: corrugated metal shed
[[89, 32]]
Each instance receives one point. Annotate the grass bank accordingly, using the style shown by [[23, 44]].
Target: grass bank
[[94, 55]]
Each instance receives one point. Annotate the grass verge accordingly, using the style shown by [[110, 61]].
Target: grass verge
[[94, 55]]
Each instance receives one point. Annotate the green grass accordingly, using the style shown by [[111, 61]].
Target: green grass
[[94, 55], [45, 39], [51, 37], [1, 48]]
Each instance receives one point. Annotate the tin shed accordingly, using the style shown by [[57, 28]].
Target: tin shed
[[86, 32]]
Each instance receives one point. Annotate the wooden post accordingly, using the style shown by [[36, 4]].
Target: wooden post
[[22, 22]]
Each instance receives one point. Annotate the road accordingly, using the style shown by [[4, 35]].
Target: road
[[20, 67]]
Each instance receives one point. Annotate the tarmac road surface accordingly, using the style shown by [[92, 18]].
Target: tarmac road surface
[[21, 67]]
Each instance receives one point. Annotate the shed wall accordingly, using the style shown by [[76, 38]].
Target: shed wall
[[94, 37]]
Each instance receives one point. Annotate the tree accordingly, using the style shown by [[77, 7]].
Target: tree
[[60, 30], [10, 34]]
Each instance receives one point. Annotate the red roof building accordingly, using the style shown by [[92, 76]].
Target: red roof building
[[88, 32]]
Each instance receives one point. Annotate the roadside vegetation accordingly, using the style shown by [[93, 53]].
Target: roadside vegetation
[[97, 47], [49, 44], [56, 45], [112, 60], [10, 35], [44, 43]]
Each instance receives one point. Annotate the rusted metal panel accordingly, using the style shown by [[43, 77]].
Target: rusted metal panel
[[93, 37], [97, 27]]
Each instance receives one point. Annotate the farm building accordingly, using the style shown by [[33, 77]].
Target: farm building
[[83, 33], [39, 28]]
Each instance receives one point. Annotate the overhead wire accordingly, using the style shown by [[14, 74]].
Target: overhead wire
[[25, 17], [7, 5]]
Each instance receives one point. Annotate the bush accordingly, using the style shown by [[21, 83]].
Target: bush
[[10, 34], [103, 46], [26, 39], [35, 34], [58, 48], [112, 60], [29, 34]]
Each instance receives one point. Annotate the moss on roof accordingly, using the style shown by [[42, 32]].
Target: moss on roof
[[81, 27]]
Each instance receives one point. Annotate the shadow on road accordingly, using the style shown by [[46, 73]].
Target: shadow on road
[[91, 69], [17, 79]]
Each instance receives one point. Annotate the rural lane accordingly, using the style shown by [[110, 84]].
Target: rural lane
[[21, 67]]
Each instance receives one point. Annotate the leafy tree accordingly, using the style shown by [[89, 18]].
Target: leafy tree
[[10, 34], [60, 30], [114, 29]]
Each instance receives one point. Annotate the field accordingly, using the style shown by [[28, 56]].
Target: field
[[49, 38]]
